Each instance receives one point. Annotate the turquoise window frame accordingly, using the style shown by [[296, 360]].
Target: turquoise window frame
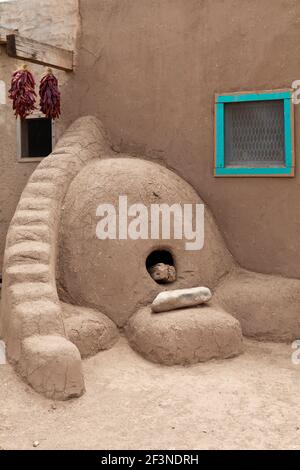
[[221, 100]]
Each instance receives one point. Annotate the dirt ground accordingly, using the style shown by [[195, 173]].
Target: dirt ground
[[250, 402]]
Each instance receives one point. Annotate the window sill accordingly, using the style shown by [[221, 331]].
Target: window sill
[[254, 172], [30, 159]]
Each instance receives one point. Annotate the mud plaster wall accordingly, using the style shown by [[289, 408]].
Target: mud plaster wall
[[50, 21], [149, 70]]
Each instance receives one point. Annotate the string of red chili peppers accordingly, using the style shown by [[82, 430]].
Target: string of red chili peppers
[[22, 93], [49, 95]]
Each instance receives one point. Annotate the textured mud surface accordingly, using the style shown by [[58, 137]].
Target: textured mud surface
[[251, 401], [184, 336]]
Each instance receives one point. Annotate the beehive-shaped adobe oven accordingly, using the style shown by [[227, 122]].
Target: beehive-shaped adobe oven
[[111, 275], [66, 293]]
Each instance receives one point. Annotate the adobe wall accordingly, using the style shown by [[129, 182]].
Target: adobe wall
[[49, 21], [149, 71]]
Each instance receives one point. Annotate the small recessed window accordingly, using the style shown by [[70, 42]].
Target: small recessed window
[[35, 137], [254, 134]]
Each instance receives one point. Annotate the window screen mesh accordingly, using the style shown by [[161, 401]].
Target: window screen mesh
[[254, 134]]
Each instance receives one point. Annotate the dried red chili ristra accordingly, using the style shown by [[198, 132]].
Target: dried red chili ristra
[[22, 92], [49, 96]]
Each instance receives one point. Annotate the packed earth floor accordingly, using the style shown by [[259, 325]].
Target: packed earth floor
[[249, 402]]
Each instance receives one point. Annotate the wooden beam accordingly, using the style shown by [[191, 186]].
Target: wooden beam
[[34, 51]]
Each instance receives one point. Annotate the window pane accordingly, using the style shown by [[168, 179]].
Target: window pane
[[36, 137], [254, 134]]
